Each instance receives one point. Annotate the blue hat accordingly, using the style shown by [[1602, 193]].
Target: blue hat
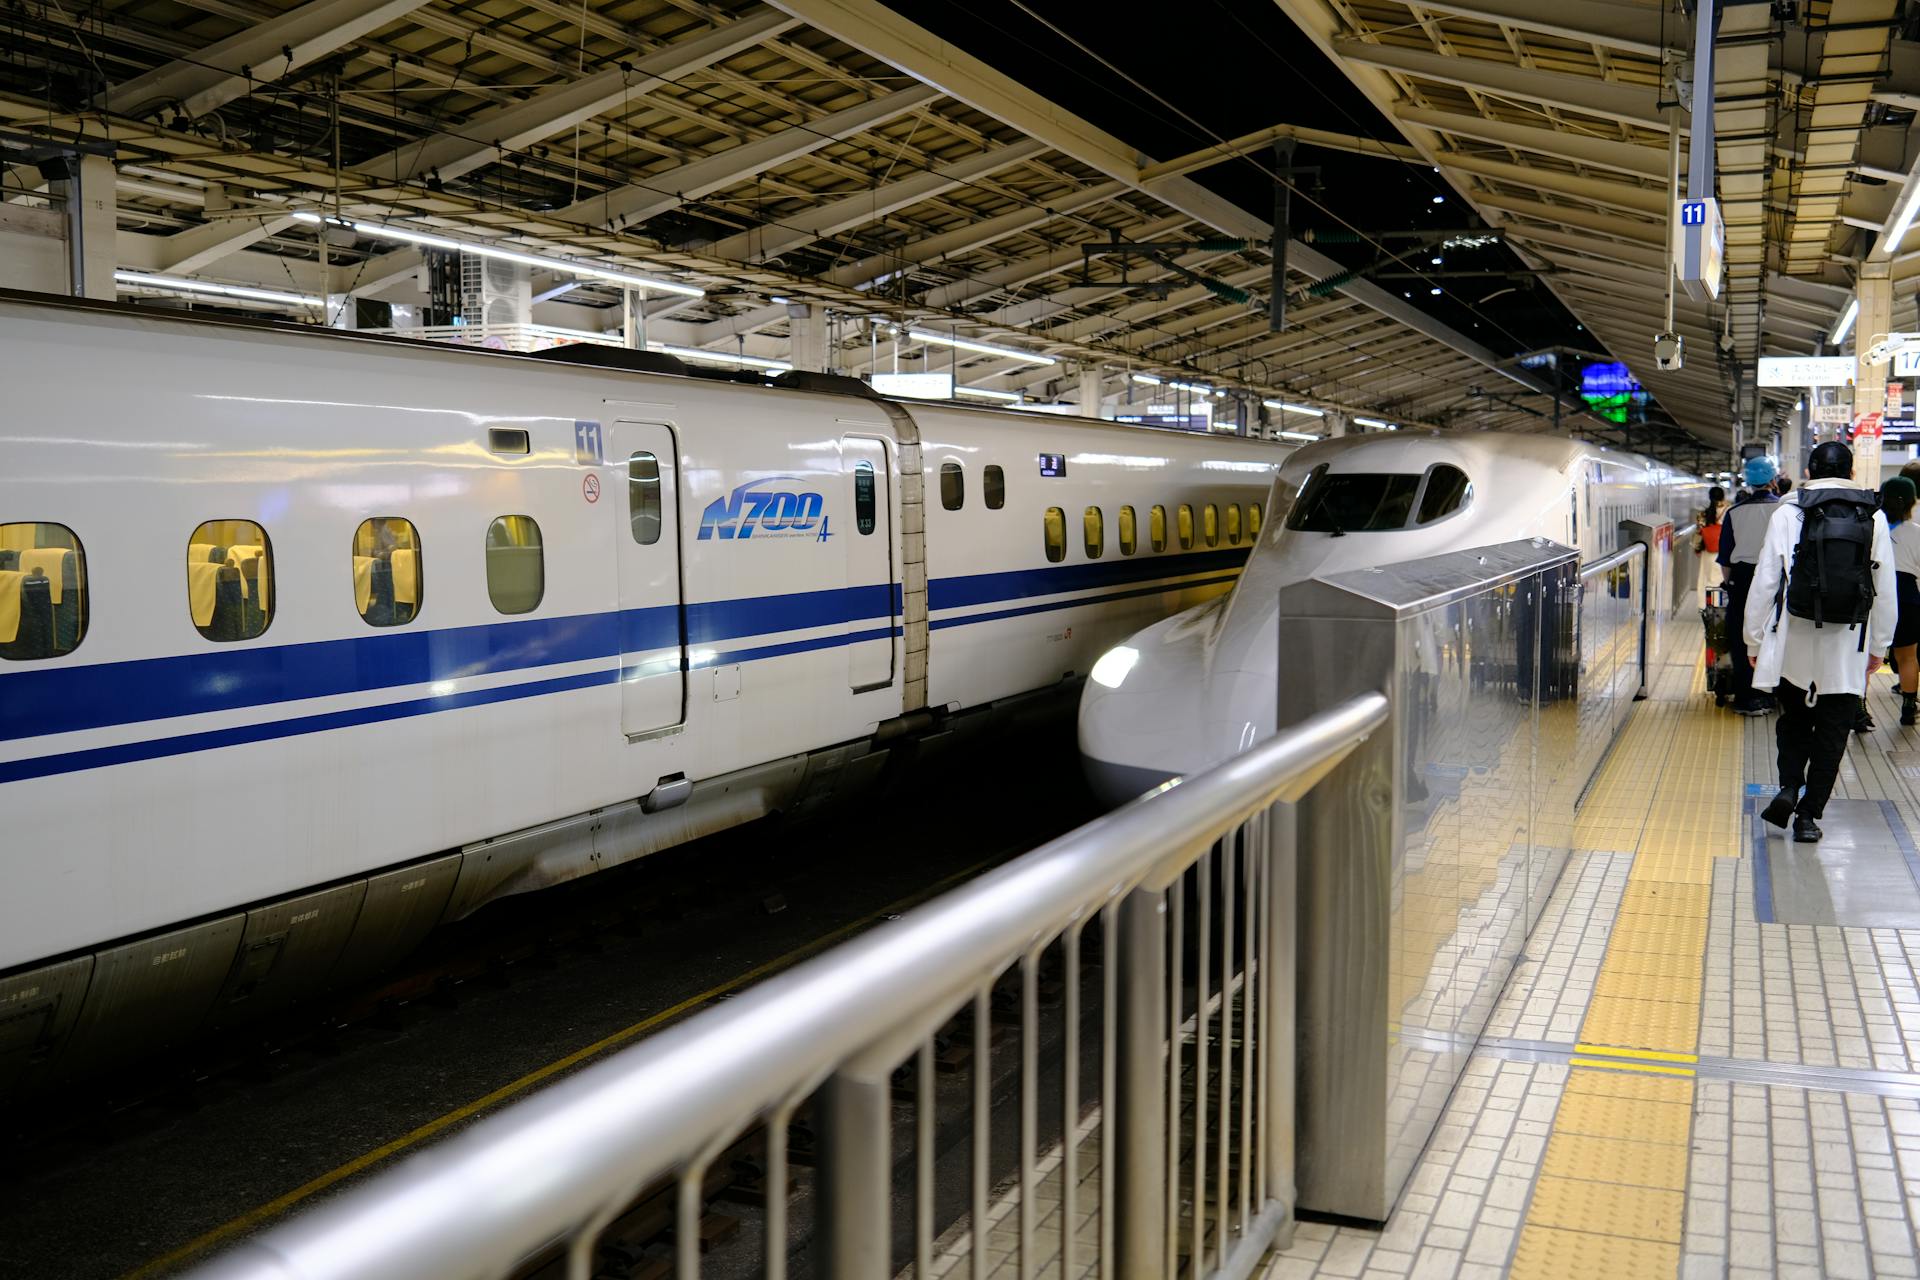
[[1760, 471]]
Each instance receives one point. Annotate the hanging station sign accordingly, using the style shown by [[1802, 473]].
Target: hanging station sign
[[1806, 371], [1701, 246]]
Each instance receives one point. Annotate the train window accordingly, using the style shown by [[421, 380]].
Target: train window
[[1353, 501], [993, 483], [230, 580], [1210, 525], [1253, 519], [508, 440], [1055, 522], [863, 499], [1129, 537], [43, 591], [1186, 527], [516, 564], [643, 498], [387, 578], [1233, 524], [1157, 528], [953, 486], [1448, 489], [1096, 532]]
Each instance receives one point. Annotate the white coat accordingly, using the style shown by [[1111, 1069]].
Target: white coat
[[1823, 659]]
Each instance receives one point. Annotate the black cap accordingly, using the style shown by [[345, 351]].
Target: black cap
[[1830, 461]]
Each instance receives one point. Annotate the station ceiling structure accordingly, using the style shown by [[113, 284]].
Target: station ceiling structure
[[1553, 121], [832, 156]]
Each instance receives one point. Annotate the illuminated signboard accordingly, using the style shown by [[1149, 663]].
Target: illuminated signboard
[[1611, 391]]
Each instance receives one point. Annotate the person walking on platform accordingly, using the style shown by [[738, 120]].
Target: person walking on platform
[[1743, 531], [1820, 609], [1897, 497], [1707, 541]]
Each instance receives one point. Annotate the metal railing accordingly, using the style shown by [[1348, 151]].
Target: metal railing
[[1184, 900], [1613, 667]]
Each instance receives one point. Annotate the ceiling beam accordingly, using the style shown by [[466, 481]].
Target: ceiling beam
[[1580, 148], [258, 54], [868, 25], [797, 230], [630, 206], [968, 236], [1610, 100], [490, 134], [1628, 28]]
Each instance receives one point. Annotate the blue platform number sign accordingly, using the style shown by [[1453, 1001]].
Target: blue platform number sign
[[586, 444], [1053, 464], [1693, 213]]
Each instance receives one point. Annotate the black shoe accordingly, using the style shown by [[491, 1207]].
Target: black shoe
[[1749, 707], [1779, 809], [1909, 709], [1863, 725], [1805, 829]]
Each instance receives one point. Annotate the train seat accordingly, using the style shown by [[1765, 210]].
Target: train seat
[[29, 601]]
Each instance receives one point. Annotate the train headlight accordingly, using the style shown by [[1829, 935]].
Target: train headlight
[[1113, 666]]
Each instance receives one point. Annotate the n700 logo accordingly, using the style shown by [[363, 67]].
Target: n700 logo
[[753, 510]]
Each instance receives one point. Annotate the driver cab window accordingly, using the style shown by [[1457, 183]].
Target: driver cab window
[[1448, 489], [1353, 501]]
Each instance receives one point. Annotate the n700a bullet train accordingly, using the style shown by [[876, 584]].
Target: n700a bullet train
[[309, 642], [1191, 690]]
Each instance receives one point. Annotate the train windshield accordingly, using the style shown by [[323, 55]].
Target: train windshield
[[1353, 501]]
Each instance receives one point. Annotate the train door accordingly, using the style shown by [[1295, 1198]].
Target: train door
[[653, 637], [870, 564]]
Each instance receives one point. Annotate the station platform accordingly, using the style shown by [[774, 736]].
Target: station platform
[[1707, 1065]]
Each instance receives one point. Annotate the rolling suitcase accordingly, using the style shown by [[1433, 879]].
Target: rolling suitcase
[[1713, 621]]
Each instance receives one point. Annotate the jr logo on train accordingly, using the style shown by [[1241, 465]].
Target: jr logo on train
[[770, 513]]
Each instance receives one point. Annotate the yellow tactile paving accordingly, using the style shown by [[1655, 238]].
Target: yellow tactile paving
[[1644, 1213], [1610, 1201], [1598, 1116], [1616, 1160], [1637, 1088], [1581, 1255]]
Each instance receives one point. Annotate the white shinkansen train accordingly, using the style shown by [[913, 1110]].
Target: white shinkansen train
[[1194, 689], [309, 642]]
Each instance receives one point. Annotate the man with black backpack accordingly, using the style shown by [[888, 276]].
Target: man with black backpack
[[1821, 609]]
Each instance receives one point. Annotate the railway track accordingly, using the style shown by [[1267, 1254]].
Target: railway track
[[515, 991]]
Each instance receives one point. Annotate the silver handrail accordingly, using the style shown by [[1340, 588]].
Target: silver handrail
[[552, 1171], [1620, 557]]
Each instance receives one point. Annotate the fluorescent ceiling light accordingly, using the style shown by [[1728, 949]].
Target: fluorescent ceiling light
[[1904, 219], [1285, 407], [1146, 378], [1296, 435], [1373, 422], [718, 357], [1194, 387], [381, 231], [984, 348], [145, 281], [1845, 324], [986, 393]]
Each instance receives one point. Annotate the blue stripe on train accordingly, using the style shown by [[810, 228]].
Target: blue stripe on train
[[240, 735], [68, 699]]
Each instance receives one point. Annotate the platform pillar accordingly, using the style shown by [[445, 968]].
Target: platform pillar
[[808, 325], [1875, 292], [1092, 392]]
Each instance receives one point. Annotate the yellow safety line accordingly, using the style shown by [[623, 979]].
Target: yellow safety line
[[280, 1204], [1615, 1064], [1611, 1199], [1655, 1055]]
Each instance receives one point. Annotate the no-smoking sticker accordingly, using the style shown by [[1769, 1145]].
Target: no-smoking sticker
[[590, 487]]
